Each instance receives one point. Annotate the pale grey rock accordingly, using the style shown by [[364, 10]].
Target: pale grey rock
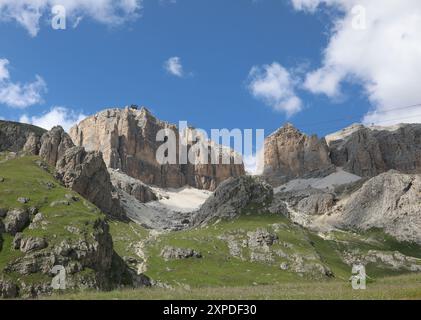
[[390, 201], [318, 203], [59, 203], [261, 238], [16, 220], [232, 197], [135, 188], [23, 200], [8, 289], [29, 244], [170, 253]]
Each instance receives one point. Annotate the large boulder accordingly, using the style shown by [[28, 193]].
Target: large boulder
[[232, 196], [16, 220], [127, 140], [290, 154]]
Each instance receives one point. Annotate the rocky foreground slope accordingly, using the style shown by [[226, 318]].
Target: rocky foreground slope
[[42, 225], [127, 140]]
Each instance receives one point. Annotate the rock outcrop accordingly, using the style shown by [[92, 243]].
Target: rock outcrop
[[232, 196], [82, 171], [13, 135], [86, 173], [132, 187], [291, 154], [54, 144], [389, 201], [369, 151], [127, 140]]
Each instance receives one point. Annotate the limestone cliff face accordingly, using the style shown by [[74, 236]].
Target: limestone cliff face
[[291, 154], [368, 152], [127, 140]]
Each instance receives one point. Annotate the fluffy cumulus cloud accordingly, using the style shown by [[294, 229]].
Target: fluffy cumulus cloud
[[173, 66], [374, 43], [56, 116], [29, 13], [275, 86], [18, 95]]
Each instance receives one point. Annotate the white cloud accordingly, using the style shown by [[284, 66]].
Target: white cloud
[[274, 85], [29, 13], [17, 95], [384, 57], [56, 116], [173, 66]]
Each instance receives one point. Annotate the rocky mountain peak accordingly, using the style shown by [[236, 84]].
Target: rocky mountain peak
[[127, 140], [290, 153]]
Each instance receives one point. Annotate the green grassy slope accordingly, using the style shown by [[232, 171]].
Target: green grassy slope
[[218, 268], [23, 177], [400, 287]]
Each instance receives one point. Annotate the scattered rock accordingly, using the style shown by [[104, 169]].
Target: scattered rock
[[284, 266], [169, 253], [71, 197], [261, 238], [1, 179], [8, 289], [16, 220], [23, 200], [73, 230], [59, 203], [17, 241], [38, 221], [32, 211], [32, 244]]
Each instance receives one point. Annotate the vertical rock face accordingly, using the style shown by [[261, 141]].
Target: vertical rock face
[[127, 140], [370, 151], [290, 154], [54, 144], [84, 172]]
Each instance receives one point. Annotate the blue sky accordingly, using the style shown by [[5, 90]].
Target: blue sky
[[218, 44]]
